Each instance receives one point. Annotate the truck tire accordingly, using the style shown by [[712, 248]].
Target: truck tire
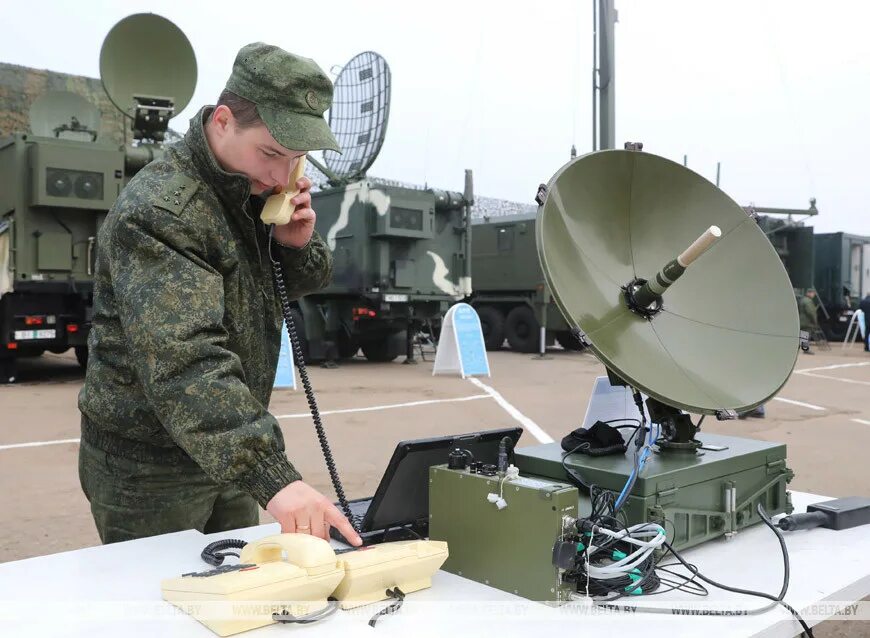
[[569, 341], [522, 329], [299, 324], [82, 356], [492, 325], [385, 350], [347, 346]]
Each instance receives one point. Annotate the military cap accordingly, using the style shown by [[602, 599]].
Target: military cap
[[291, 94]]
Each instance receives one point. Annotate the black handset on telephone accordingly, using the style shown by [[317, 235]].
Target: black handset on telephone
[[282, 203]]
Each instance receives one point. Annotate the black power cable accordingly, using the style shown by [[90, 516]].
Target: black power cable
[[281, 289]]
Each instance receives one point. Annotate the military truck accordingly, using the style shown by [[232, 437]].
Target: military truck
[[793, 243], [837, 265], [400, 262], [71, 145], [510, 295], [841, 279], [400, 250]]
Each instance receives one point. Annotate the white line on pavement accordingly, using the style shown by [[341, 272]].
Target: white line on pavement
[[285, 416], [800, 403], [525, 421], [833, 367], [37, 444], [862, 421], [826, 376], [302, 415]]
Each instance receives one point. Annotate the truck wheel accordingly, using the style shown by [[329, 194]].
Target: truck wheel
[[82, 356], [569, 341], [299, 324], [492, 325], [347, 346], [522, 329], [385, 350]]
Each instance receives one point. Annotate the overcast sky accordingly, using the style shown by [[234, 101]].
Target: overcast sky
[[778, 92]]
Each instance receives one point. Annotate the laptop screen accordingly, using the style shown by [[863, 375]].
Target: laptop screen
[[403, 494]]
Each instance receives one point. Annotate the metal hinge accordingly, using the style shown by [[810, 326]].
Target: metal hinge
[[665, 496], [775, 467]]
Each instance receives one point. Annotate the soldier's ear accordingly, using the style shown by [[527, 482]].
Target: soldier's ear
[[222, 119]]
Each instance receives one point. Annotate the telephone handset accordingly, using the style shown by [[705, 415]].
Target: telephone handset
[[279, 208], [308, 552]]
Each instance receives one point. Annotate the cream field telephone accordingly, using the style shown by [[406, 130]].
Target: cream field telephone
[[298, 578], [279, 208]]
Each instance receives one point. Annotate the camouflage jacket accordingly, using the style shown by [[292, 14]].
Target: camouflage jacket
[[808, 313], [186, 326]]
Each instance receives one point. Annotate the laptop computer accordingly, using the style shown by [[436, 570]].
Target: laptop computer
[[401, 502]]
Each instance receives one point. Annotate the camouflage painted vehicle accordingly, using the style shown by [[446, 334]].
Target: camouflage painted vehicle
[[54, 193], [400, 262], [66, 150]]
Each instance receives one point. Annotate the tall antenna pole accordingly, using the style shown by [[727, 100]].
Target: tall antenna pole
[[606, 69], [595, 74]]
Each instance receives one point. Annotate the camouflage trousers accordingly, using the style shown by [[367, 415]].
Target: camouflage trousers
[[130, 499]]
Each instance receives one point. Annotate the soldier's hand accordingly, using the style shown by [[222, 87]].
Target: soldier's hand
[[297, 232], [301, 509]]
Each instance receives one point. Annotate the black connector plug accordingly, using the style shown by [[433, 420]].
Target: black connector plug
[[504, 447], [564, 554], [838, 514]]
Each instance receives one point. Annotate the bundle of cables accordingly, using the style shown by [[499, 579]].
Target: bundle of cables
[[619, 562], [607, 559]]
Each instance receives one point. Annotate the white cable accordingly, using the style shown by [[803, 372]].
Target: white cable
[[586, 553], [633, 535], [498, 499]]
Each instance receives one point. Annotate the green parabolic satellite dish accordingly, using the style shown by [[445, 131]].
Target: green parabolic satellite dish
[[727, 334], [147, 55]]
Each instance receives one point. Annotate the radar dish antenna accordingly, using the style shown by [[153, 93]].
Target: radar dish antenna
[[358, 116], [64, 115], [148, 69], [717, 335]]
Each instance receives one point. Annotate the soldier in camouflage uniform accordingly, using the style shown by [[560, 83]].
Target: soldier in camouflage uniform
[[186, 327], [808, 314]]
